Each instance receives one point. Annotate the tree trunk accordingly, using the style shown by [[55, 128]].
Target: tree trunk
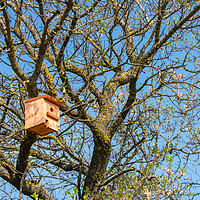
[[99, 162]]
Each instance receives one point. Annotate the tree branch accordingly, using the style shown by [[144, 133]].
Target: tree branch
[[5, 28], [177, 26], [59, 163]]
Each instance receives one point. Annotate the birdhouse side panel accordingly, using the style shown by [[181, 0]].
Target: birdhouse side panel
[[34, 113]]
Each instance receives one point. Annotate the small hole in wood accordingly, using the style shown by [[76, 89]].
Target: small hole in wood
[[51, 109]]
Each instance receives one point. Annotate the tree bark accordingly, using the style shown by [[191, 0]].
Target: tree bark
[[99, 162]]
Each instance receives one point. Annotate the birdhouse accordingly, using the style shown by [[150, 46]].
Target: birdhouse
[[42, 115]]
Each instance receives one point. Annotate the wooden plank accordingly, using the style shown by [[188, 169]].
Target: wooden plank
[[34, 113], [41, 129], [53, 116], [48, 98]]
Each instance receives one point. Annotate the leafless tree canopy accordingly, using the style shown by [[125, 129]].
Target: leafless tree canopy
[[127, 73]]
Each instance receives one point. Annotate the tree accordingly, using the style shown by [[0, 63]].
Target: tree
[[127, 73]]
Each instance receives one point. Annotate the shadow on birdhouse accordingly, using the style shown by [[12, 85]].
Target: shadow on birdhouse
[[42, 115]]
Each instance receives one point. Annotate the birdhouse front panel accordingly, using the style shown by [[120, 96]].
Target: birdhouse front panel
[[42, 115], [52, 115]]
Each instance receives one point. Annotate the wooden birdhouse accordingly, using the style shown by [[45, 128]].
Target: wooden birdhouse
[[42, 115]]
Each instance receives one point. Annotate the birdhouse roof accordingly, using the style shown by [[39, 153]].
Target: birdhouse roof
[[46, 97]]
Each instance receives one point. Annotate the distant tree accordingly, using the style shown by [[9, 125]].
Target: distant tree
[[127, 73]]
